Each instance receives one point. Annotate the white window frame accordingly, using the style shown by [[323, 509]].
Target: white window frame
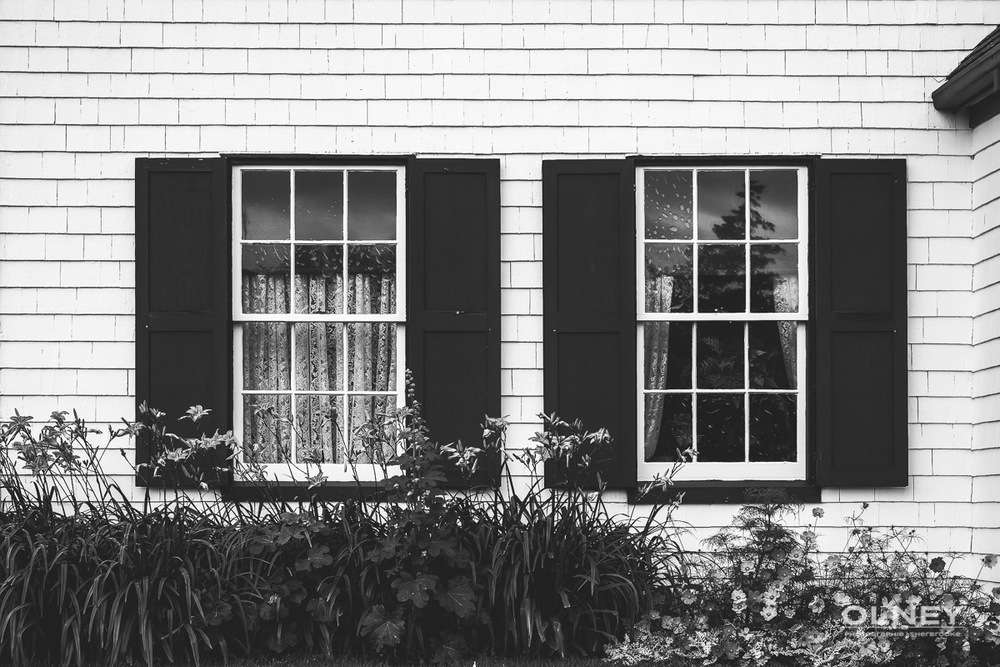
[[292, 471], [724, 471]]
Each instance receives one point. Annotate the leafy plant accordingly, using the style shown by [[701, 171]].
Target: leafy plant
[[412, 570], [765, 595]]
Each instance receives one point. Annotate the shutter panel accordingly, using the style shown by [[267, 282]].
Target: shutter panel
[[860, 315], [453, 302], [590, 305], [182, 299]]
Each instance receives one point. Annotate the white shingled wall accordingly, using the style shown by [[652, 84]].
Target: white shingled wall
[[88, 85], [986, 338]]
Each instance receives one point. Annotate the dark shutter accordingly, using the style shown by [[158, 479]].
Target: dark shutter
[[860, 315], [589, 305], [182, 297], [453, 303]]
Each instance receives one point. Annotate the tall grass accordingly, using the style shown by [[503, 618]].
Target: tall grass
[[88, 577]]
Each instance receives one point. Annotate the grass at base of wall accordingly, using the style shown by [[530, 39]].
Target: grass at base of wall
[[321, 661]]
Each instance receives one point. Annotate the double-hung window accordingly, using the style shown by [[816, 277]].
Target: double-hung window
[[276, 291], [318, 312], [722, 287], [747, 313]]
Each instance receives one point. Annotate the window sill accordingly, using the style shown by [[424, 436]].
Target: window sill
[[713, 493]]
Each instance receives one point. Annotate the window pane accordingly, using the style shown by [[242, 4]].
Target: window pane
[[667, 348], [319, 279], [773, 355], [320, 429], [319, 205], [720, 427], [267, 355], [667, 426], [266, 274], [668, 204], [267, 428], [266, 196], [371, 361], [772, 427], [720, 355], [774, 278], [368, 414], [319, 357], [668, 278], [774, 211], [371, 273], [721, 279], [721, 209], [371, 205]]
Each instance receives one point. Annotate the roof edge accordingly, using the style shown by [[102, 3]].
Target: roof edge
[[969, 85]]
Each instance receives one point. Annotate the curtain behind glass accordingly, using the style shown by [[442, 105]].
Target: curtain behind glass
[[659, 292], [319, 364], [266, 365]]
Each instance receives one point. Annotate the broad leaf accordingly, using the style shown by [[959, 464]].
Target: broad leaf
[[459, 598], [383, 630], [415, 590], [316, 557]]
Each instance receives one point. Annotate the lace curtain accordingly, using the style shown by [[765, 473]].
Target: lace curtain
[[322, 432], [659, 292]]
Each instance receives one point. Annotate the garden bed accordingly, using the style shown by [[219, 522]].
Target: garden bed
[[88, 577]]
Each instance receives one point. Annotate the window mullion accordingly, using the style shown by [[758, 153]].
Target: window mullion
[[694, 389], [746, 241], [746, 392], [293, 417], [694, 243]]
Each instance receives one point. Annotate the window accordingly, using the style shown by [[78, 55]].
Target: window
[[679, 315], [288, 282], [722, 305], [318, 311]]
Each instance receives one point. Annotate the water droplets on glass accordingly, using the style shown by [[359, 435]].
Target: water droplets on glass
[[668, 210]]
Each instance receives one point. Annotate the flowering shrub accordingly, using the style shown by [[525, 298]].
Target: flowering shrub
[[764, 595], [197, 460], [406, 571]]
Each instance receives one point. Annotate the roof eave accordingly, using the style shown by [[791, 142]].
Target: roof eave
[[968, 86]]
